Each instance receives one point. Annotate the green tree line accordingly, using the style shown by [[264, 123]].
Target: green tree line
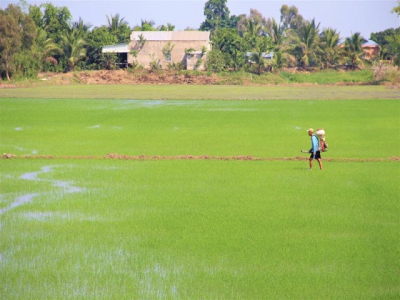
[[44, 38]]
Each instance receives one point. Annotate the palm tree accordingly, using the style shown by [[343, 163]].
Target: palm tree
[[168, 27], [238, 58], [119, 28], [282, 56], [251, 32], [81, 25], [45, 46], [330, 45], [393, 48], [306, 43], [147, 25], [276, 32], [73, 43], [353, 49], [115, 23], [254, 28], [258, 59]]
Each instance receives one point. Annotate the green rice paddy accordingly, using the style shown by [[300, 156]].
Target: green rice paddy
[[78, 225], [355, 129]]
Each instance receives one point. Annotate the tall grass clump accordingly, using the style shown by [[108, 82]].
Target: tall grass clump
[[387, 74], [329, 76]]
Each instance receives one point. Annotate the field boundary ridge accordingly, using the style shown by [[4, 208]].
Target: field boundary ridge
[[192, 157]]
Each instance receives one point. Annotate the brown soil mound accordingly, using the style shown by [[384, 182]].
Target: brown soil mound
[[143, 77], [160, 77], [6, 86], [157, 77]]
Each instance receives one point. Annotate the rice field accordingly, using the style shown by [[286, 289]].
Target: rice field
[[198, 199]]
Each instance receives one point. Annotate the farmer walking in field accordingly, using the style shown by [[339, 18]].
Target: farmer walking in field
[[315, 150]]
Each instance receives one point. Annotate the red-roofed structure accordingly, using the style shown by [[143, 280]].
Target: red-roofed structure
[[371, 49]]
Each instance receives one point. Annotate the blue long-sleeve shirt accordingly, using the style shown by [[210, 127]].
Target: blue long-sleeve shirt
[[314, 144]]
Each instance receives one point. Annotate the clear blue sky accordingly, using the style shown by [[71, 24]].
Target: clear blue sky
[[346, 16]]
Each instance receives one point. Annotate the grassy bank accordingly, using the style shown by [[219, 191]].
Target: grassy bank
[[322, 77]]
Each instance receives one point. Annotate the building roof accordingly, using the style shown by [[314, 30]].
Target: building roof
[[118, 48], [264, 55], [370, 43], [171, 35]]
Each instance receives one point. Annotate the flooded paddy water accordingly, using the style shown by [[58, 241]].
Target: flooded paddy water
[[66, 186]]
